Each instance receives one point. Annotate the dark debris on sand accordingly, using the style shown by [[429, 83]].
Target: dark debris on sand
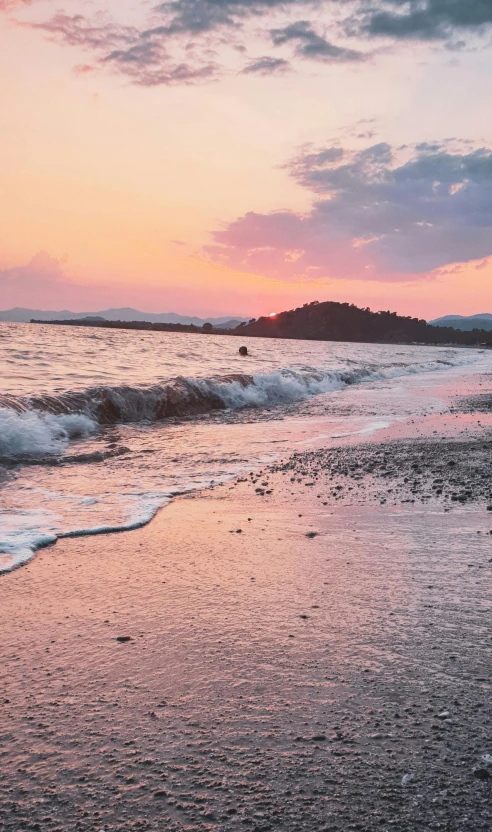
[[480, 403], [409, 471]]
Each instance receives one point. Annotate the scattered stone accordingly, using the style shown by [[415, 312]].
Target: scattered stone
[[123, 639]]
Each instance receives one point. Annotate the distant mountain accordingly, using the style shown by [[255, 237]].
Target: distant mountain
[[20, 315], [481, 321]]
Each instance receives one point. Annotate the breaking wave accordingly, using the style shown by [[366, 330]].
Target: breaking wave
[[46, 424]]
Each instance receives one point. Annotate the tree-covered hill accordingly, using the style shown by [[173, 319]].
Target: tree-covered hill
[[330, 321]]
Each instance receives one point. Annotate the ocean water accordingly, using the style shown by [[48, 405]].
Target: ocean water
[[100, 429]]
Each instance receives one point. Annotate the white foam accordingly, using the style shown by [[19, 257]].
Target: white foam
[[32, 432], [277, 387], [289, 385], [29, 531], [22, 534]]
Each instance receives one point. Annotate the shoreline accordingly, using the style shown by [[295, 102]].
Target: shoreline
[[420, 458], [259, 661]]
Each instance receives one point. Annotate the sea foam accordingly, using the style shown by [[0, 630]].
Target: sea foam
[[33, 432]]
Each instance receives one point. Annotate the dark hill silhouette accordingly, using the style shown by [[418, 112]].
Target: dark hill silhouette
[[332, 321]]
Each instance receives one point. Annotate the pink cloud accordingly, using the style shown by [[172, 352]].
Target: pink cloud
[[9, 4], [43, 283], [29, 284]]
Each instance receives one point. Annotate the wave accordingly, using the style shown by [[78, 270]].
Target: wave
[[22, 545], [46, 424]]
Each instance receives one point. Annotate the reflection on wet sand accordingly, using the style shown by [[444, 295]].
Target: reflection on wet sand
[[270, 680]]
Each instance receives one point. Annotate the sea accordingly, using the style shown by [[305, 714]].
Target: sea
[[100, 429]]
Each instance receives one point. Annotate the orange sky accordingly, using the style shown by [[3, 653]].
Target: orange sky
[[125, 185]]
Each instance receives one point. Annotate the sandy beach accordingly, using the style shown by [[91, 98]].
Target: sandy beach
[[264, 655]]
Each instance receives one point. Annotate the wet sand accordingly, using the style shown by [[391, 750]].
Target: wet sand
[[285, 664]]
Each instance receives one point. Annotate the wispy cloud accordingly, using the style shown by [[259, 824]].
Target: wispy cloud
[[78, 30], [173, 41], [266, 66], [312, 45]]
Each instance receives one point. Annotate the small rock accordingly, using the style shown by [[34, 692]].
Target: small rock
[[407, 778], [311, 534], [444, 715], [123, 639], [481, 773]]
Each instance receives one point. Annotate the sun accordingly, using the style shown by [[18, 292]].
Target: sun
[[272, 314]]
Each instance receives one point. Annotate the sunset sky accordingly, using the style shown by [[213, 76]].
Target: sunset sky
[[217, 157]]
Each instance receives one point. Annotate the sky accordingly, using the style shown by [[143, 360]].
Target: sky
[[216, 157]]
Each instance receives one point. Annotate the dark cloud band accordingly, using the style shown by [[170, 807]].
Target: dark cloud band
[[375, 216], [432, 19]]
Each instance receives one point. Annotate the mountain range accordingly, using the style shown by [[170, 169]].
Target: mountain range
[[481, 321], [18, 314], [21, 315]]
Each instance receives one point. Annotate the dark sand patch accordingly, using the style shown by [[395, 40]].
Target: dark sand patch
[[477, 403], [399, 471]]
